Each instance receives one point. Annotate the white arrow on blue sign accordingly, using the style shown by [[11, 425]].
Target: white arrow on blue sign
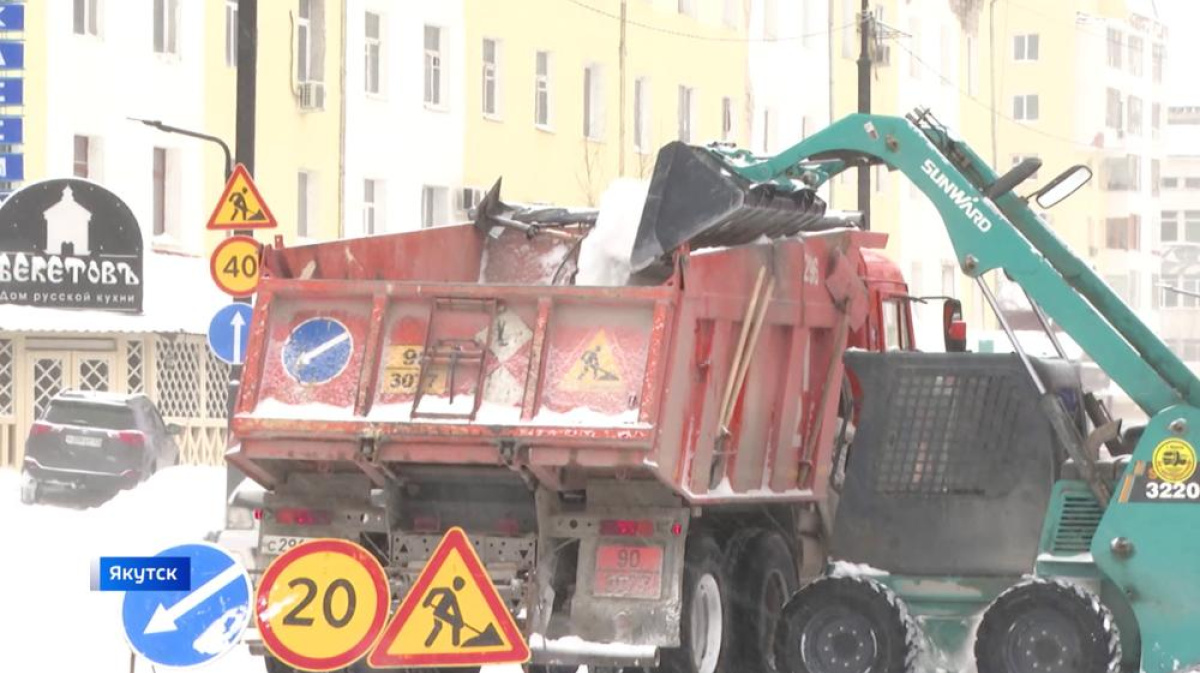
[[181, 629], [317, 350], [12, 17], [228, 332]]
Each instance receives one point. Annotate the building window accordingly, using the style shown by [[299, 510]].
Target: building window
[[1191, 226], [1156, 62], [1135, 55], [1018, 158], [687, 100], [82, 165], [1025, 108], [593, 103], [373, 37], [433, 65], [1191, 183], [727, 119], [1116, 233], [231, 32], [1122, 173], [641, 115], [688, 7], [371, 192], [1170, 183], [1155, 119], [305, 196], [1155, 176], [166, 26], [1112, 110], [770, 19], [491, 78], [541, 105], [310, 41], [87, 17], [1025, 47], [1135, 115], [1115, 45], [433, 206], [1168, 227], [731, 13], [159, 204]]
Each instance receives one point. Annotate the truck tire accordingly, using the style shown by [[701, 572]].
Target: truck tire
[[705, 620], [764, 578], [1047, 626], [847, 625]]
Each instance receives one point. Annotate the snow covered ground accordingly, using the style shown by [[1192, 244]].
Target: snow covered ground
[[50, 620]]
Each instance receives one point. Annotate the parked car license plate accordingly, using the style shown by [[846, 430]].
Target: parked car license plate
[[80, 440], [277, 544], [628, 571]]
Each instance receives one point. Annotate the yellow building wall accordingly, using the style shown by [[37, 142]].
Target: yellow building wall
[[559, 165], [288, 139]]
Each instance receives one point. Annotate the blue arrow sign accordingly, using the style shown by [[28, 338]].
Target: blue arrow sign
[[12, 17], [317, 350], [12, 167], [12, 129], [12, 91], [12, 55], [188, 628], [228, 332]]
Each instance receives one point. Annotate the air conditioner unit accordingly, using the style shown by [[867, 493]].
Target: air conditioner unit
[[312, 95], [469, 198]]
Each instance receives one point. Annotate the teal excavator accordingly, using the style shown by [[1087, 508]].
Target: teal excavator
[[990, 513]]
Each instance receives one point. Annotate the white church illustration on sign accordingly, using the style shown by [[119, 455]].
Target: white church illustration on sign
[[67, 226]]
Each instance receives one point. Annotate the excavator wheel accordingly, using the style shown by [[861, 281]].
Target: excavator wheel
[[1050, 627], [765, 577], [847, 625], [705, 621]]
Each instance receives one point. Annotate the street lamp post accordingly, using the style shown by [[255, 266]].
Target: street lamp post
[[167, 128]]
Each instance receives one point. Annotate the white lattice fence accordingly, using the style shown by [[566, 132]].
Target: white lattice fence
[[192, 388]]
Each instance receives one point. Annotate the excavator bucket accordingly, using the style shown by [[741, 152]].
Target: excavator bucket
[[694, 199]]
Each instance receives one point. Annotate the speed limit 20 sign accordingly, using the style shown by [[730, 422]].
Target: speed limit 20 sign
[[321, 605], [235, 265]]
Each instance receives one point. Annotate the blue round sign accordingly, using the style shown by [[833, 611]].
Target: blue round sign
[[317, 350], [181, 629]]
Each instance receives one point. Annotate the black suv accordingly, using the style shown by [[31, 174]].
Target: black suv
[[96, 442]]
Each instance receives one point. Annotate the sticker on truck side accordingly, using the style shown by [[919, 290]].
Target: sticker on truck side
[[1169, 477]]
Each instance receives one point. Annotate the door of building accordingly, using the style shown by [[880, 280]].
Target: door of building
[[53, 371]]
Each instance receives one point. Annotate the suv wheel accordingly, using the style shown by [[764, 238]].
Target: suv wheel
[[30, 489]]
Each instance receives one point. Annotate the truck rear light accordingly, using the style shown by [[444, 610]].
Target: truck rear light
[[257, 514], [131, 438], [627, 527], [426, 523], [676, 529], [40, 428], [299, 516]]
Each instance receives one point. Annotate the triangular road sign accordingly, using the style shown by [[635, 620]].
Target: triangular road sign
[[451, 617], [241, 206], [596, 369]]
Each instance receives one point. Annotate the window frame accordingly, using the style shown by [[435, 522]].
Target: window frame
[[1022, 47], [89, 24], [490, 73], [685, 113], [434, 68], [543, 87], [641, 115], [373, 54], [231, 33], [1021, 112], [166, 19], [304, 42]]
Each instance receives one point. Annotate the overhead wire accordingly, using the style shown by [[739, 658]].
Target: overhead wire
[[709, 38]]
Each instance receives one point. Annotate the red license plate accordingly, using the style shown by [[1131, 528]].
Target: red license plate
[[629, 571]]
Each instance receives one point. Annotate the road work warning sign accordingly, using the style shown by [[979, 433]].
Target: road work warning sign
[[595, 369], [241, 206], [453, 616]]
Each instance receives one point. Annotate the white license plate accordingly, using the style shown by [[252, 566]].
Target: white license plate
[[277, 544], [76, 440]]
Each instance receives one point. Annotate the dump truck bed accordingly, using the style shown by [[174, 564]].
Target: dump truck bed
[[448, 347]]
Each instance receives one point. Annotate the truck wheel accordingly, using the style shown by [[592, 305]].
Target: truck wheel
[[846, 625], [765, 579], [1047, 626], [704, 621]]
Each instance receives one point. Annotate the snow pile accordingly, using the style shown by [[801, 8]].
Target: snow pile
[[604, 254], [846, 569]]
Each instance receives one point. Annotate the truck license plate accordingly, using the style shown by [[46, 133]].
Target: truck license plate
[[79, 440], [277, 544], [629, 571]]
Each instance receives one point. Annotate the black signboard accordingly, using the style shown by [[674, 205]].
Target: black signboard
[[70, 244]]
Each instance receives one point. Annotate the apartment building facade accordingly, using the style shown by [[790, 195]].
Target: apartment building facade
[[1178, 236]]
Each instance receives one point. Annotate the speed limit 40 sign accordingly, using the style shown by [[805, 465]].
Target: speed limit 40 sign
[[235, 265], [321, 605]]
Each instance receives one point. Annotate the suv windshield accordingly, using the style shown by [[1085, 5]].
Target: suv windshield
[[106, 416]]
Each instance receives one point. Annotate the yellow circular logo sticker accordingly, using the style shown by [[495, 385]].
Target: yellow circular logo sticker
[[1174, 461]]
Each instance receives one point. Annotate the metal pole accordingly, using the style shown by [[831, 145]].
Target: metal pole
[[864, 106], [167, 128], [247, 84], [621, 101]]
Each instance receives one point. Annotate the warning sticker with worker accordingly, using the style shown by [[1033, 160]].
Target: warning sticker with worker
[[1169, 476], [452, 616], [595, 369]]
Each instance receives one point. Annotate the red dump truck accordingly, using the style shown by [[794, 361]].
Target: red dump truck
[[640, 467]]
